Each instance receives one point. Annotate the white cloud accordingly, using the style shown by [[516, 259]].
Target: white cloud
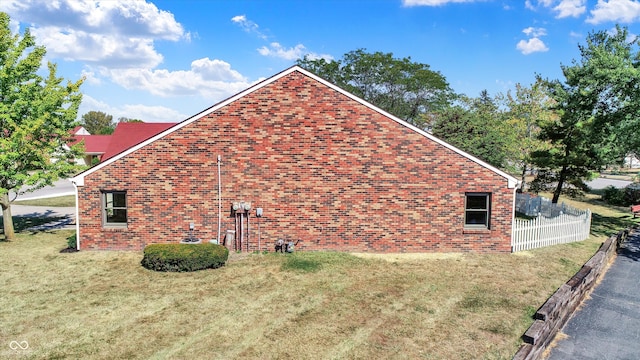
[[98, 49], [90, 77], [535, 32], [529, 5], [575, 35], [435, 2], [133, 18], [132, 111], [540, 3], [570, 8], [534, 44], [563, 8], [625, 11], [294, 53], [531, 46], [211, 79], [150, 113], [116, 33], [248, 26], [276, 50]]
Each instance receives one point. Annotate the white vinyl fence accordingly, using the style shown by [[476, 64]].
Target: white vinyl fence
[[543, 231]]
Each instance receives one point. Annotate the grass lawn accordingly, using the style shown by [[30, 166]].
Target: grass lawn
[[323, 305], [58, 201]]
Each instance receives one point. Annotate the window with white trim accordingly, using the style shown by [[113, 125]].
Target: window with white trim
[[114, 208], [477, 210]]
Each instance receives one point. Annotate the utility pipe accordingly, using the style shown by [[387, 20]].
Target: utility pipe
[[248, 228], [219, 200]]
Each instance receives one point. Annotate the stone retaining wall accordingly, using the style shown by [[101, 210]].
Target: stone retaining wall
[[555, 312]]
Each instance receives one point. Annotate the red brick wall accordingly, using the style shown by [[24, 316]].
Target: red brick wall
[[325, 169]]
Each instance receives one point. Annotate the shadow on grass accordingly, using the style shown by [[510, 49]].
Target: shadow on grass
[[611, 225], [40, 221]]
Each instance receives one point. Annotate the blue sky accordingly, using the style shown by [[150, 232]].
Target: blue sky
[[163, 61]]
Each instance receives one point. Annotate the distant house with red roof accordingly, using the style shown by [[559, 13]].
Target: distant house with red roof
[[129, 134], [80, 130], [125, 135], [94, 147]]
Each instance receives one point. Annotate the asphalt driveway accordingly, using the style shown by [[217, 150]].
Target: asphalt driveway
[[61, 187], [601, 183], [607, 325], [58, 217]]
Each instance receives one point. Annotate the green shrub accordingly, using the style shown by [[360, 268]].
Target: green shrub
[[632, 194], [613, 196], [72, 242], [71, 245], [184, 257]]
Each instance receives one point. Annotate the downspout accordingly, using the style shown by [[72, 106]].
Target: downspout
[[219, 200], [75, 186], [513, 210]]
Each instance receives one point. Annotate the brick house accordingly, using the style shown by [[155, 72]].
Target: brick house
[[317, 163]]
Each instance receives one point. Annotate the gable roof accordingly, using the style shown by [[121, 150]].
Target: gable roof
[[128, 134], [79, 130], [93, 144], [512, 182]]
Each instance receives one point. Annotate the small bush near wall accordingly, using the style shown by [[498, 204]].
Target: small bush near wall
[[71, 245], [72, 242], [184, 257]]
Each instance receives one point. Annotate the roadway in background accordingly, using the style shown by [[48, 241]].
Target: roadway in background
[[61, 187]]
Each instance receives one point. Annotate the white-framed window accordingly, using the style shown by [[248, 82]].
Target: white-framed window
[[477, 210], [114, 208]]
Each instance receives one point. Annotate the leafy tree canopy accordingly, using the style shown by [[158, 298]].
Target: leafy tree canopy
[[477, 126], [597, 106], [401, 87], [37, 115], [98, 123], [129, 120], [527, 107]]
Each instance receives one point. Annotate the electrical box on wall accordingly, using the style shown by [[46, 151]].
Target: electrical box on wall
[[259, 212]]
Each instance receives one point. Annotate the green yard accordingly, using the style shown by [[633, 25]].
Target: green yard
[[104, 305]]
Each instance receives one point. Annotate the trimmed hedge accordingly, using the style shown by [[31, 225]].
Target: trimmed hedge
[[184, 257]]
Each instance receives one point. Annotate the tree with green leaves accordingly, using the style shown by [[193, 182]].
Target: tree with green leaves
[[477, 126], [37, 115], [98, 123], [128, 120], [527, 107], [597, 103], [401, 87]]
